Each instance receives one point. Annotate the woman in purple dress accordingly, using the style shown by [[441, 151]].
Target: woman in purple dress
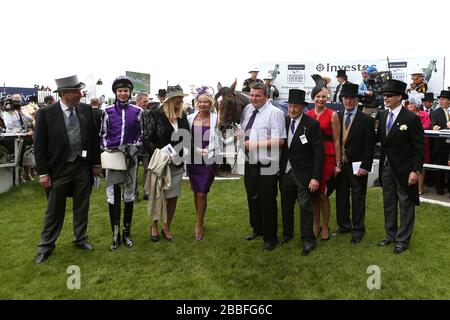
[[200, 170]]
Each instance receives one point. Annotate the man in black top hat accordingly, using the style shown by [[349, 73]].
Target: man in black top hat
[[357, 148], [402, 154], [440, 119], [341, 78], [300, 169], [67, 153], [427, 102]]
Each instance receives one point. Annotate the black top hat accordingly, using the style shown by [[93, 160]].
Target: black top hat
[[349, 90], [444, 94], [297, 96], [341, 73], [395, 86], [162, 92], [429, 96]]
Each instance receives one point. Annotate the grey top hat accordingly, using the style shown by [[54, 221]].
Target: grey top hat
[[69, 83]]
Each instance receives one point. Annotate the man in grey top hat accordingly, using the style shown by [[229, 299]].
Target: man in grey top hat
[[67, 153]]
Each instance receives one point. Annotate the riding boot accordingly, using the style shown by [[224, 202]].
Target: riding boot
[[115, 226], [114, 214], [128, 215]]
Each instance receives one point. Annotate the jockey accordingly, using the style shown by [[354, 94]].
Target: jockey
[[122, 130]]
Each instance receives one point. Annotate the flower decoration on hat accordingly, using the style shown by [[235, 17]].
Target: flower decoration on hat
[[197, 92]]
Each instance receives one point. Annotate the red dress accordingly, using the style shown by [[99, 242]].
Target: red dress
[[329, 162], [425, 119]]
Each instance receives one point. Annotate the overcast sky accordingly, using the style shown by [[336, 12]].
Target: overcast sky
[[205, 41]]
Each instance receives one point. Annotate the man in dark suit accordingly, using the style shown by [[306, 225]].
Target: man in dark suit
[[357, 148], [67, 153], [402, 154], [440, 119], [342, 79], [300, 169]]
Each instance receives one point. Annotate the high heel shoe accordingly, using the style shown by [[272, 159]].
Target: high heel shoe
[[318, 232], [327, 238], [166, 237], [154, 238], [198, 236]]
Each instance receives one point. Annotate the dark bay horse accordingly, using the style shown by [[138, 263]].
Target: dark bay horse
[[229, 104]]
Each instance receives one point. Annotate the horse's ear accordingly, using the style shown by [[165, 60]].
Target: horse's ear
[[233, 85], [219, 86]]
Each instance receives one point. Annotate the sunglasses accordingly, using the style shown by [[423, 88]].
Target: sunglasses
[[390, 95]]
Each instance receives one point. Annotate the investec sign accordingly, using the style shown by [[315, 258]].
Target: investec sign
[[334, 68], [297, 74]]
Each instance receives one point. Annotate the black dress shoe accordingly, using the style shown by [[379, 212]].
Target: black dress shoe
[[86, 246], [269, 246], [251, 236], [307, 248], [42, 257], [285, 239], [384, 242], [356, 239], [399, 248]]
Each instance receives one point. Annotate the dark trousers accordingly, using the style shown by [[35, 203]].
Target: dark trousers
[[262, 193], [75, 180], [348, 184], [291, 189], [393, 194], [441, 158], [145, 160]]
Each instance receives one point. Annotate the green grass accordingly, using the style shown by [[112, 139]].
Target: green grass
[[223, 266]]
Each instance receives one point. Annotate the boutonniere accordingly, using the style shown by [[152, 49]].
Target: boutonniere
[[403, 127]]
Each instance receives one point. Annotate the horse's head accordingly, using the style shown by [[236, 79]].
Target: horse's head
[[229, 105]]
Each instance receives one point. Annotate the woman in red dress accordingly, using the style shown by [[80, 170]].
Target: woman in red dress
[[330, 127]]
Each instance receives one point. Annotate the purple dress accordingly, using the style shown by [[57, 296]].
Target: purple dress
[[201, 176]]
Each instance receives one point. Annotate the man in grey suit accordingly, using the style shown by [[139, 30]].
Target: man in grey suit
[[67, 153], [402, 154]]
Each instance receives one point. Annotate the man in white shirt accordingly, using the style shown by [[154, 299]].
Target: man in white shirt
[[265, 132]]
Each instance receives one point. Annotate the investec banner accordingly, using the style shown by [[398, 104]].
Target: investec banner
[[297, 75], [25, 93]]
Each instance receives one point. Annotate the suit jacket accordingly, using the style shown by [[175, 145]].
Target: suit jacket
[[338, 88], [158, 132], [51, 144], [306, 159], [438, 119], [360, 142], [404, 149]]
